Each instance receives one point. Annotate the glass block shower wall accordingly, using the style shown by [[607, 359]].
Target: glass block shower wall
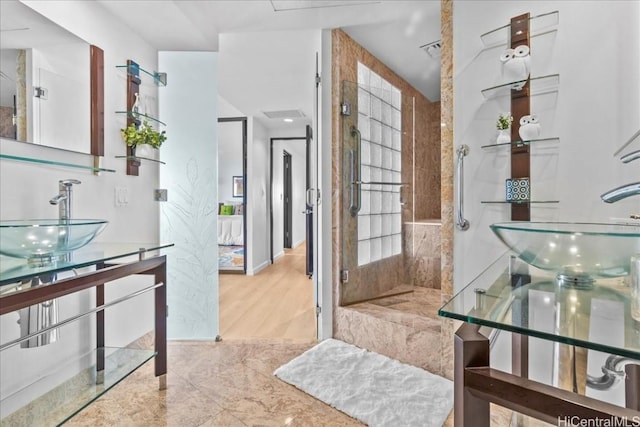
[[379, 122]]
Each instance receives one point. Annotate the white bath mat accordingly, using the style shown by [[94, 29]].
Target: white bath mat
[[372, 388]]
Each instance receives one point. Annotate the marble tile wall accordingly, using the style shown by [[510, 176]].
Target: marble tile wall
[[427, 163], [446, 174], [6, 122], [422, 251]]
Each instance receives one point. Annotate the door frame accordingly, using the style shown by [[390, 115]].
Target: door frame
[[271, 141], [244, 180]]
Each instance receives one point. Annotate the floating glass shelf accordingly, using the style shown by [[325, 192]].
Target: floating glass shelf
[[77, 392], [159, 79], [137, 116], [136, 158], [518, 202], [522, 143], [540, 84], [54, 163], [540, 24]]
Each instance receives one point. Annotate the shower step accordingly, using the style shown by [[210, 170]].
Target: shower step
[[403, 326]]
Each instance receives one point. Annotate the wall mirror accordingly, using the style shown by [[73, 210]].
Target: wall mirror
[[46, 84]]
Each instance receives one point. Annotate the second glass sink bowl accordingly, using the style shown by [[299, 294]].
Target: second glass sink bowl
[[578, 252], [42, 240]]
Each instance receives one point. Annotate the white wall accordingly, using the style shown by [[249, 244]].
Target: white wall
[[257, 215], [190, 216], [596, 51], [94, 198], [297, 149]]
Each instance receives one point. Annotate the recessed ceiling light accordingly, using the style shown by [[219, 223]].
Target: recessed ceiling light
[[288, 120]]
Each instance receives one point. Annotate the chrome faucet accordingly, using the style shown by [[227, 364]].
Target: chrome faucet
[[620, 193], [63, 198]]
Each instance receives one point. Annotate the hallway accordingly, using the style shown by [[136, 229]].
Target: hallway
[[275, 303]]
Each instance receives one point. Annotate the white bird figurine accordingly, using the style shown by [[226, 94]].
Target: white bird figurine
[[529, 127], [516, 63]]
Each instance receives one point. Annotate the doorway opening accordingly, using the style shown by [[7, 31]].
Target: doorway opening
[[232, 178], [291, 221], [279, 300]]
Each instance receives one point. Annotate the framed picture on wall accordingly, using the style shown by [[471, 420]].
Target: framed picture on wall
[[238, 186]]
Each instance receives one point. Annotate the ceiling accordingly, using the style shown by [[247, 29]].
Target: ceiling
[[392, 30]]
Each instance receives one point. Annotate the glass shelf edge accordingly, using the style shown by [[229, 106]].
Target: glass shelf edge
[[492, 92], [79, 391], [537, 334], [486, 36], [521, 143], [133, 115], [54, 163], [134, 158], [515, 202], [154, 75]]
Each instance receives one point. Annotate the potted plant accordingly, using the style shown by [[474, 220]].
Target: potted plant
[[134, 136], [503, 124]]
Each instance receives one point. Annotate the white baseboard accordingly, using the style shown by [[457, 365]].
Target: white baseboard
[[278, 255], [258, 269], [295, 245]]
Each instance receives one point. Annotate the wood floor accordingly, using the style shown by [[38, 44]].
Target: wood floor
[[275, 303]]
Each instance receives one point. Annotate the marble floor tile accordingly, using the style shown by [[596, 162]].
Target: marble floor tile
[[228, 384]]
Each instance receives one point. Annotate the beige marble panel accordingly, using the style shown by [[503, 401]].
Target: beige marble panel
[[404, 343], [427, 161], [446, 144], [6, 123], [446, 176], [422, 253], [21, 95]]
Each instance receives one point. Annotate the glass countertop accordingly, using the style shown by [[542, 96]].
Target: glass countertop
[[514, 296], [14, 270]]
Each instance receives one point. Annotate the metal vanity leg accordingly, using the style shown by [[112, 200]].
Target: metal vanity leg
[[100, 331], [161, 325], [471, 349], [632, 386]]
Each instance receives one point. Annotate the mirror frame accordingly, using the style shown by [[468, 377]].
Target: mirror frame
[[97, 100]]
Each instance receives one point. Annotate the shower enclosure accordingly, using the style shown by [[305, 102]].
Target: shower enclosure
[[377, 176]]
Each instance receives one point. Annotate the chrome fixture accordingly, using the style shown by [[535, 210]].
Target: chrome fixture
[[65, 195], [626, 144], [356, 181], [613, 373], [461, 223], [34, 319], [628, 158], [620, 193]]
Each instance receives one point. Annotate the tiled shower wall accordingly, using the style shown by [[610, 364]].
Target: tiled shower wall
[[424, 191]]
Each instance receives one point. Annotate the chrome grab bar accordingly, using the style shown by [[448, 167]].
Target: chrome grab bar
[[399, 184], [354, 160], [628, 158], [626, 144], [461, 223]]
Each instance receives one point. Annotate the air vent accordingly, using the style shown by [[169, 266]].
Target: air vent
[[284, 114], [433, 49]]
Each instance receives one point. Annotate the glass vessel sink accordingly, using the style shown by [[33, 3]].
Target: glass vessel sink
[[45, 240], [577, 252]]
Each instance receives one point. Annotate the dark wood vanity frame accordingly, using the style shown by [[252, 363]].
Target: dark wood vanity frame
[[156, 266]]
